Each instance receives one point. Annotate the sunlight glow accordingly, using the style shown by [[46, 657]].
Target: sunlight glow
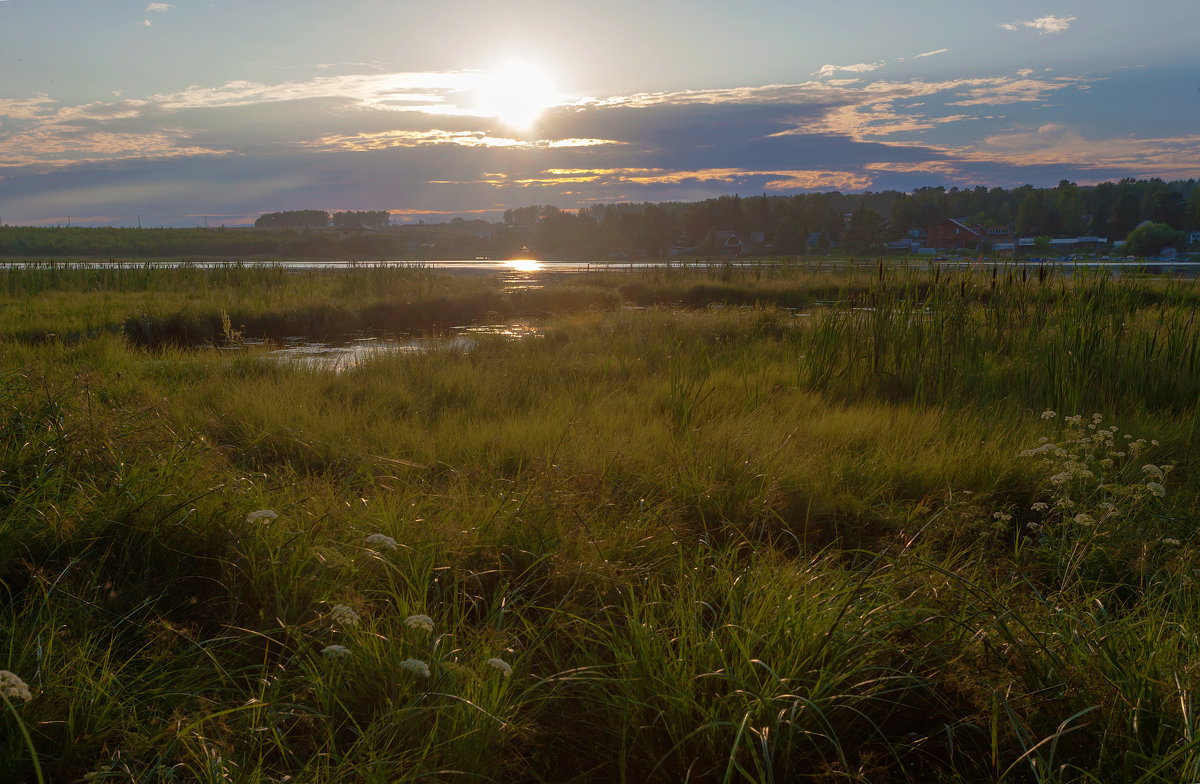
[[524, 265], [516, 94]]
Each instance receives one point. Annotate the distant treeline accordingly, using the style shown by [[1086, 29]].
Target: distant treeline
[[314, 219], [859, 223], [778, 225]]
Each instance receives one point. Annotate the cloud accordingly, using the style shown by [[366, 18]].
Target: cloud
[[158, 8], [383, 140], [774, 180], [930, 54], [1043, 24], [412, 141], [423, 91], [830, 70], [1055, 144]]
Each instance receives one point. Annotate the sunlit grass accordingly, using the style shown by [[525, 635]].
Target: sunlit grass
[[679, 543]]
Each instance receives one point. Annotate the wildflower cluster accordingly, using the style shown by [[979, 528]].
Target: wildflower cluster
[[422, 622], [343, 615], [13, 688], [382, 541], [1089, 478], [415, 667]]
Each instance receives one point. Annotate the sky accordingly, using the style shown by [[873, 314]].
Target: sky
[[189, 113]]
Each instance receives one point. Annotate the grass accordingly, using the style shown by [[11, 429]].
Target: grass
[[729, 537]]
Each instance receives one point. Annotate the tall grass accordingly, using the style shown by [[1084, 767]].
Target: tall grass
[[713, 543]]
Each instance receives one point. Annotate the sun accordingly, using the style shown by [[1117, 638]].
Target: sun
[[516, 94]]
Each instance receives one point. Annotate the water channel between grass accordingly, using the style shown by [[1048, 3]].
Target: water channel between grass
[[340, 355]]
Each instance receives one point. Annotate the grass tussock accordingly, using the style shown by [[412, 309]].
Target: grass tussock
[[939, 528]]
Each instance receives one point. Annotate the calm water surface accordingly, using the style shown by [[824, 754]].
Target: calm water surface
[[347, 355]]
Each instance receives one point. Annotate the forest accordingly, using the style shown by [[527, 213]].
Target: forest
[[782, 225]]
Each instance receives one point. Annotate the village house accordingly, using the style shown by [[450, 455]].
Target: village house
[[952, 234], [727, 243], [999, 234]]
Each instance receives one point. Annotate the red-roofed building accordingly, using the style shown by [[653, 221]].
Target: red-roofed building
[[952, 234]]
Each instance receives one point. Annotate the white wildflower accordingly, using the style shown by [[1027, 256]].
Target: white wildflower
[[1156, 490], [13, 688], [1106, 463], [1074, 420], [415, 667], [1153, 470], [1172, 542], [1001, 516], [335, 651], [1039, 506], [382, 541], [1097, 418], [1061, 479], [1084, 519], [422, 622], [504, 667], [1153, 442], [344, 616], [1048, 414], [261, 514]]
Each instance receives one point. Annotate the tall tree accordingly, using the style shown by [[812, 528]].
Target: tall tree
[[1069, 203], [865, 232], [1029, 216], [1193, 210], [1125, 214]]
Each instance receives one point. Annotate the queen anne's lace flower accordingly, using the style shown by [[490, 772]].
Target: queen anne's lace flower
[[504, 667], [1156, 490], [335, 651], [343, 615], [13, 688], [261, 514], [382, 541], [422, 622], [415, 667]]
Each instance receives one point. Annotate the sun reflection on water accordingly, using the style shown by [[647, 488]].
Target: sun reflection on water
[[524, 265]]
